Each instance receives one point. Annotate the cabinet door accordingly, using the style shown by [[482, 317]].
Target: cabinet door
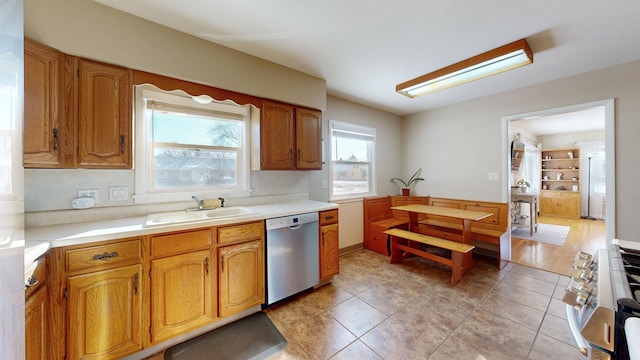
[[561, 204], [308, 139], [44, 132], [276, 137], [104, 116], [241, 277], [105, 313], [182, 294], [329, 257], [35, 325]]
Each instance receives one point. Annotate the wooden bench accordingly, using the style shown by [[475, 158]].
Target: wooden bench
[[378, 217], [487, 234], [400, 251]]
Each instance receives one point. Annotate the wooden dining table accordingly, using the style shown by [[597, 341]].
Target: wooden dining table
[[465, 216]]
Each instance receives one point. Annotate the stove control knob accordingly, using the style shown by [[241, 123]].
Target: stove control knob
[[581, 255], [583, 261], [581, 274]]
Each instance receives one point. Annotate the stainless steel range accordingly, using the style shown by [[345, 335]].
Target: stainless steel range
[[603, 294]]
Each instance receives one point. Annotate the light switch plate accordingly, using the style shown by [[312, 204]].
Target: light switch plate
[[494, 176], [118, 193]]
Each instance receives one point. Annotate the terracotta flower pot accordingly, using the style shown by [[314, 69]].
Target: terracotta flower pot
[[405, 191]]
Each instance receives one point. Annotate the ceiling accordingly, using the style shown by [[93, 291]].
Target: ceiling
[[590, 119], [363, 48]]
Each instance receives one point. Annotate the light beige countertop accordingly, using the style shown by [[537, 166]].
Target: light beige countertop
[[92, 231]]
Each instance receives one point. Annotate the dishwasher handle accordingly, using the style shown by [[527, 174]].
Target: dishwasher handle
[[295, 227]]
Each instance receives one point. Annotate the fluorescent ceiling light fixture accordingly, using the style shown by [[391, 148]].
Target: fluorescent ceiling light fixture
[[494, 61]]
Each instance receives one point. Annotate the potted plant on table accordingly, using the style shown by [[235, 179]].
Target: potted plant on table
[[406, 185], [523, 185]]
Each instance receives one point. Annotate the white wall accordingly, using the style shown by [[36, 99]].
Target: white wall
[[12, 310], [388, 161], [560, 141], [457, 145]]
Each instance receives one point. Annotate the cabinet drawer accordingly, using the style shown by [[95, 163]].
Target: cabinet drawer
[[241, 232], [180, 243], [94, 257], [328, 217]]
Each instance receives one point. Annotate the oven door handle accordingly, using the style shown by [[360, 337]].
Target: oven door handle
[[572, 319]]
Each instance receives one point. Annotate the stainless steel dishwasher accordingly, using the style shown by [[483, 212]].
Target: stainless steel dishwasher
[[292, 255]]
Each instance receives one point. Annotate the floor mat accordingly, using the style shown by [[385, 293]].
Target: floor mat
[[547, 233], [253, 337]]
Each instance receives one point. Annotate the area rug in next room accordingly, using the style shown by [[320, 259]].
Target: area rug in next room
[[254, 337], [547, 233]]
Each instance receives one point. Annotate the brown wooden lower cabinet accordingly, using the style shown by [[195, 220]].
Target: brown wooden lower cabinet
[[36, 324], [241, 276], [182, 294], [105, 313], [109, 299], [329, 244], [560, 203]]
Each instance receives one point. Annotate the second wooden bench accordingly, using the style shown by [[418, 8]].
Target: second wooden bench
[[399, 250]]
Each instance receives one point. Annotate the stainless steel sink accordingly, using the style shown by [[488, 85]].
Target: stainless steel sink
[[173, 217]]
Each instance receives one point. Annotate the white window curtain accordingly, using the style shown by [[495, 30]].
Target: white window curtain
[[592, 178], [531, 167]]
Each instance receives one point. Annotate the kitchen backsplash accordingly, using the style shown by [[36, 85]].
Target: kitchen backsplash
[[49, 192]]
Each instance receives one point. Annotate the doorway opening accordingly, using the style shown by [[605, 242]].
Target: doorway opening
[[569, 170]]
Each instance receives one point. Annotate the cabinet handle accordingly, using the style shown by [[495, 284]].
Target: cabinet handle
[[55, 139], [32, 281], [290, 154], [206, 266], [322, 239], [105, 256], [298, 155], [222, 264], [136, 282], [121, 144]]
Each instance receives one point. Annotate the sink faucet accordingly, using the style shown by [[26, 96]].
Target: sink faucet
[[221, 201], [200, 202]]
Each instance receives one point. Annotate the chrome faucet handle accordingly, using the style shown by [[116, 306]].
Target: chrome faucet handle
[[221, 201], [200, 202]]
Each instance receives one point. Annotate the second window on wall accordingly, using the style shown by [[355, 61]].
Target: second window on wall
[[352, 160]]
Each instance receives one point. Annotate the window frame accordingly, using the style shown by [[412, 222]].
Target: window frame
[[357, 131], [144, 192]]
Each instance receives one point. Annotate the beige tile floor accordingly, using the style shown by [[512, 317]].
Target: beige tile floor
[[377, 310]]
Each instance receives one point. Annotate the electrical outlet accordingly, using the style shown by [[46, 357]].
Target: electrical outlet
[[92, 193], [324, 184]]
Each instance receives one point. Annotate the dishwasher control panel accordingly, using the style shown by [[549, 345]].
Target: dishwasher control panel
[[292, 220]]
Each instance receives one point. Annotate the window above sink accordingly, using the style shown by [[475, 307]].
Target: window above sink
[[189, 146]]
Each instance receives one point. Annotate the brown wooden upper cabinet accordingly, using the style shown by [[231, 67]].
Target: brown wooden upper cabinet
[[77, 111], [104, 115], [290, 138], [44, 131]]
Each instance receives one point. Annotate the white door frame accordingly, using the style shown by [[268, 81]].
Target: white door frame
[[610, 156]]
